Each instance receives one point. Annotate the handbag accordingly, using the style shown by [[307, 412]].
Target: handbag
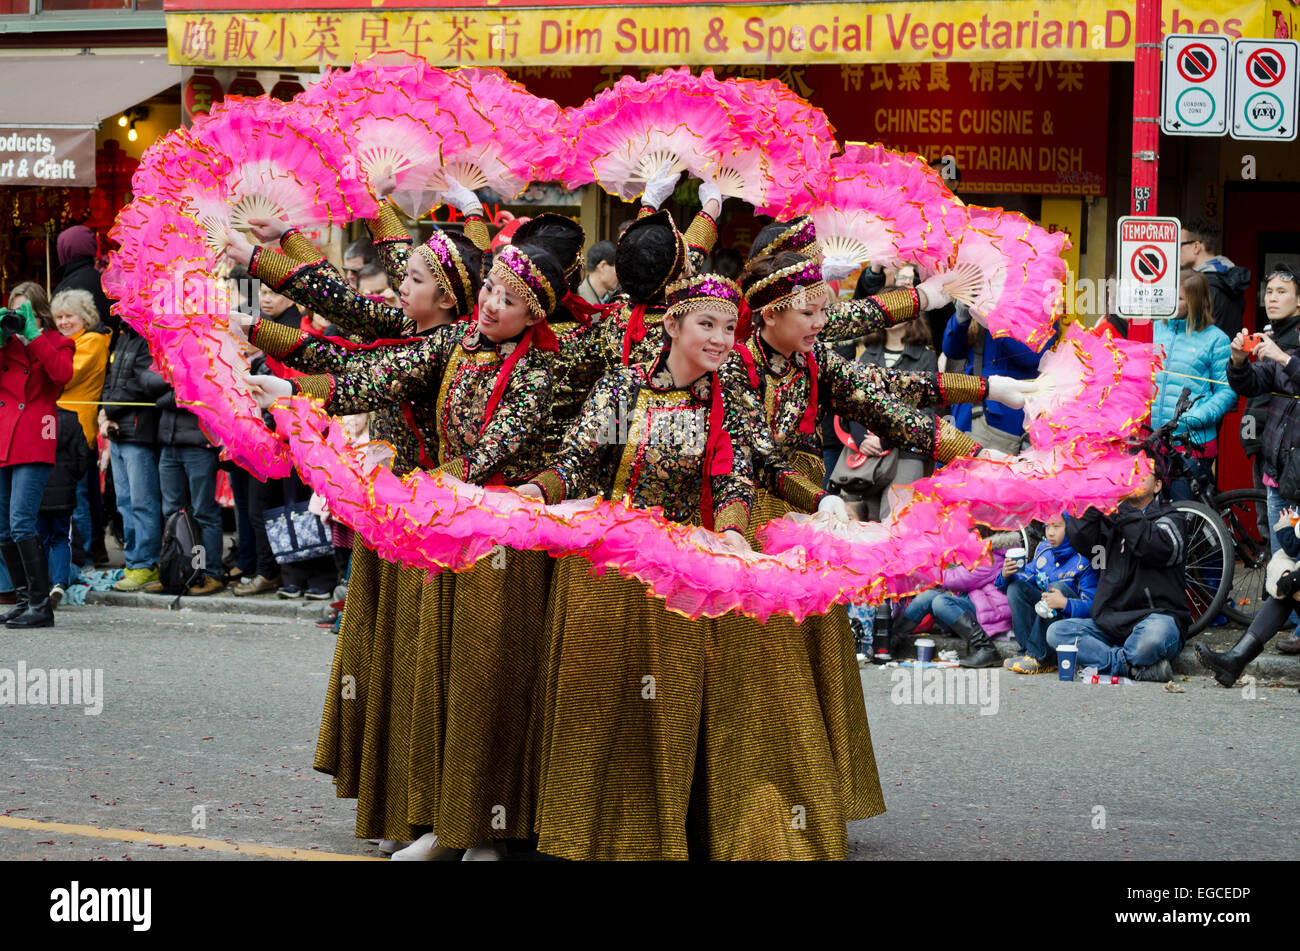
[[296, 534], [863, 475], [1288, 484]]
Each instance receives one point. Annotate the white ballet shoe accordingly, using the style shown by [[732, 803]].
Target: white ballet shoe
[[389, 846], [423, 849], [487, 852]]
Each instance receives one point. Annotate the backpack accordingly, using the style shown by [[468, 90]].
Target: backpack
[[180, 540]]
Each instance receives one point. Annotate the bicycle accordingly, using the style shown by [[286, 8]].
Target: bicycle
[[1226, 552]]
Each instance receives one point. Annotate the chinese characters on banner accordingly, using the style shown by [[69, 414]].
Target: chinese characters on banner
[[479, 32]]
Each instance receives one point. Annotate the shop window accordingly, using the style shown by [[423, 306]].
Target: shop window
[[50, 6], [15, 7]]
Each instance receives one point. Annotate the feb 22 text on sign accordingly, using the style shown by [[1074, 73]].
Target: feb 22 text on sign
[[1147, 266]]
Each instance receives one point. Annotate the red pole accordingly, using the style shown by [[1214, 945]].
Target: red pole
[[1146, 121]]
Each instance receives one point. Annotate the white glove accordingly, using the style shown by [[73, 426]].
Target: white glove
[[267, 389], [835, 506], [709, 191], [461, 198], [660, 187], [1010, 393], [836, 267], [935, 295]]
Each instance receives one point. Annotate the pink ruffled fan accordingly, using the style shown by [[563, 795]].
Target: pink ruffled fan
[[474, 126], [177, 163], [277, 160], [674, 121], [801, 140], [886, 208], [1092, 386], [162, 277], [1022, 273], [1036, 485]]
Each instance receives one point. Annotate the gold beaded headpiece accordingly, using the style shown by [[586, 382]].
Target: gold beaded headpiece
[[517, 271]]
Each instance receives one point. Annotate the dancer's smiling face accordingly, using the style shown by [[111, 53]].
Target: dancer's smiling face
[[701, 340], [503, 314], [422, 296], [795, 329]]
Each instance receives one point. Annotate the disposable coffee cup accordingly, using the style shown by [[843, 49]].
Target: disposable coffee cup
[[924, 650], [1067, 658], [1017, 556]]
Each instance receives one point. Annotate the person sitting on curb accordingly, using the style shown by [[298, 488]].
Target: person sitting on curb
[[1139, 616], [1057, 577]]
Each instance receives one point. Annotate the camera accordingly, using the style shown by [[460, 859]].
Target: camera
[[11, 322]]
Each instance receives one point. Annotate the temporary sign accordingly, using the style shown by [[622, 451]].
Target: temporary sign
[[1265, 89], [1148, 267], [1194, 86]]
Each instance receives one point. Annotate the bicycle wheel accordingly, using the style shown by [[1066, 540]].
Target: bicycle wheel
[[1209, 563], [1242, 512]]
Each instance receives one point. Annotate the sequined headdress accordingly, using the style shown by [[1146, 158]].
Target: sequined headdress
[[518, 272], [788, 287], [798, 235], [449, 268], [703, 291]]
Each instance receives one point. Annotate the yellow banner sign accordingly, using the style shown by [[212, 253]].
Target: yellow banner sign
[[736, 34]]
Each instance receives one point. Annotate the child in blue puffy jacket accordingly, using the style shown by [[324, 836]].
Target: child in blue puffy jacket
[[1057, 582]]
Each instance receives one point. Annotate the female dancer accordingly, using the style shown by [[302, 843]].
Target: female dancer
[[799, 684], [625, 676], [365, 741], [488, 389]]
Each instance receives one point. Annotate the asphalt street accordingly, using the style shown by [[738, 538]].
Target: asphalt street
[[204, 744]]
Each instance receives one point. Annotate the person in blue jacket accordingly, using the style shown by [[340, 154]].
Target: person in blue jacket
[[1196, 351], [991, 423], [1058, 577]]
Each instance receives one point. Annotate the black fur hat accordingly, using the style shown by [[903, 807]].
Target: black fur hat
[[650, 256]]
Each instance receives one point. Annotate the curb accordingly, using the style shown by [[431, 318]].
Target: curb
[[264, 605], [1268, 667]]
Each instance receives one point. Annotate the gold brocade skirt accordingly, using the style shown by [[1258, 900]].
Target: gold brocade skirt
[[829, 659], [625, 682], [367, 728], [480, 662]]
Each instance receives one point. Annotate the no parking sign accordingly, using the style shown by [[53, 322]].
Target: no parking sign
[[1148, 267], [1265, 89], [1195, 84]]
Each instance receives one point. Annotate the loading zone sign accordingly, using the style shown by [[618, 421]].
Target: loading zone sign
[[1194, 84], [1148, 267], [1265, 89]]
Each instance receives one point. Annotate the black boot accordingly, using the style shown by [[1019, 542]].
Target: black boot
[[14, 562], [40, 612], [1227, 667], [982, 651]]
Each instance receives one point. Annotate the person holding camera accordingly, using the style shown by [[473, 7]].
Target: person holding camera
[[1260, 367], [35, 363]]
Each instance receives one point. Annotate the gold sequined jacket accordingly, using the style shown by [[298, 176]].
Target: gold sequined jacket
[[892, 405], [640, 439], [447, 378]]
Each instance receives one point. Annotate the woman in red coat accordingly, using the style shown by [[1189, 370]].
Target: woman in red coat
[[35, 363]]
